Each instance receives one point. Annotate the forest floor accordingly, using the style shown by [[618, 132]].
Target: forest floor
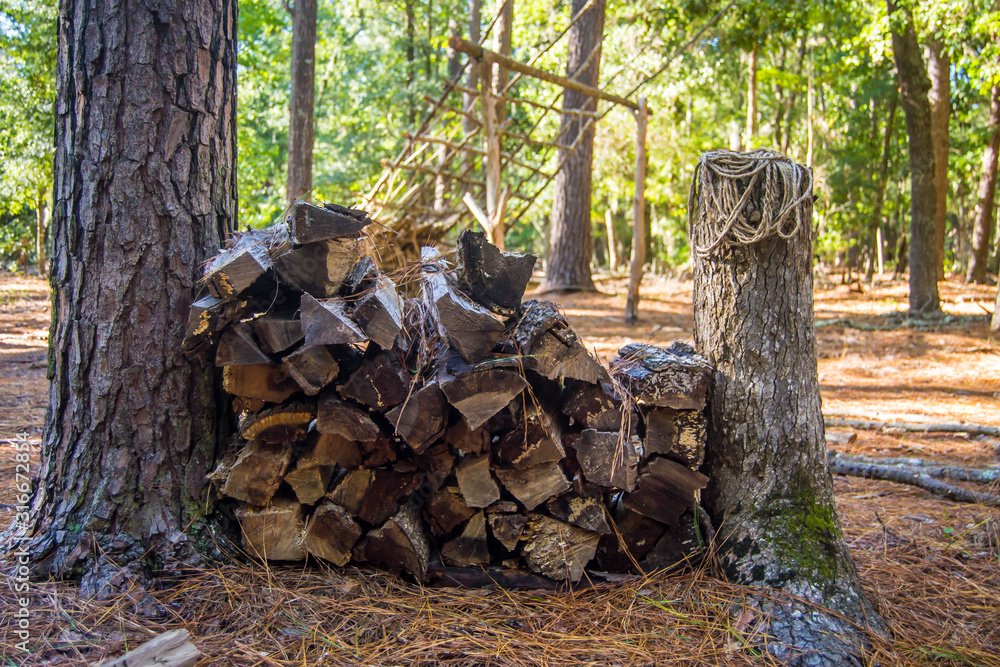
[[931, 566]]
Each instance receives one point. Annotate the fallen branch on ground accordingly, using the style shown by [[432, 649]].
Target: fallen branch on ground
[[984, 475], [868, 425], [844, 465]]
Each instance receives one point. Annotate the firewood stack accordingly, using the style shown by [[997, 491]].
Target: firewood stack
[[456, 434]]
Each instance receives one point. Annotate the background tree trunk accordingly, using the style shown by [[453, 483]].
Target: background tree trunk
[[41, 230], [751, 132], [568, 263], [145, 191], [771, 494], [913, 87], [883, 177], [983, 224], [411, 64], [301, 129], [939, 69]]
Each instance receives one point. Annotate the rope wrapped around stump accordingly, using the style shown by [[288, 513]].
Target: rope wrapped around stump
[[729, 214]]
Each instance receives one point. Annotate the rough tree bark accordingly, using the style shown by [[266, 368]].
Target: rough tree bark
[[913, 87], [986, 195], [145, 191], [751, 131], [771, 494], [939, 70], [568, 264], [301, 130]]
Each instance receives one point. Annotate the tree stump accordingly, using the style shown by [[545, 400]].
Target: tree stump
[[771, 494]]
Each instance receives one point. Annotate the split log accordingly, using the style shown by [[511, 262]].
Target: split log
[[537, 439], [422, 418], [494, 279], [277, 334], [839, 466], [350, 489], [338, 417], [382, 499], [331, 533], [678, 546], [326, 322], [586, 511], [328, 449], [380, 382], [677, 434], [481, 395], [446, 511], [476, 482], [318, 268], [674, 377], [308, 223], [438, 463], [470, 547], [380, 313], [551, 348], [233, 271], [507, 528], [257, 473], [309, 482], [238, 348], [493, 577], [592, 406], [401, 543], [283, 424], [533, 486], [265, 382], [465, 441], [312, 368], [607, 458], [170, 649], [665, 490], [634, 537], [208, 316], [558, 550], [377, 452], [273, 532]]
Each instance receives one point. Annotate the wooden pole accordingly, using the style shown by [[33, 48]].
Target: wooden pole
[[480, 53], [638, 214]]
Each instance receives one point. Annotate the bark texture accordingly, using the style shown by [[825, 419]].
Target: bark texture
[[939, 69], [145, 190], [301, 128], [771, 493], [913, 87], [986, 194], [568, 265]]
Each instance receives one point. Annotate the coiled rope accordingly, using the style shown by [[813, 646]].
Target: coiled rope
[[727, 217]]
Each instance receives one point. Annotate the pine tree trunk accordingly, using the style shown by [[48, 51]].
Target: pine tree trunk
[[751, 132], [568, 262], [145, 191], [41, 230], [913, 88], [883, 177], [301, 128], [939, 69], [771, 494], [986, 194]]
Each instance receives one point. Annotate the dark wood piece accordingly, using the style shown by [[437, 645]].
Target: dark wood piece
[[265, 382], [465, 441], [677, 434], [257, 473], [308, 223], [446, 511], [309, 483], [401, 543], [507, 528], [476, 482], [675, 377], [380, 383], [533, 486], [551, 348], [494, 279], [379, 313], [378, 452], [383, 496], [480, 395], [422, 418], [494, 577], [586, 511], [336, 416], [681, 545], [331, 533], [233, 271], [607, 459], [326, 322], [665, 490], [558, 550], [312, 368], [273, 532], [327, 449], [319, 268], [208, 316], [536, 440], [282, 424], [634, 537], [277, 334], [592, 406], [350, 489], [470, 548], [238, 348]]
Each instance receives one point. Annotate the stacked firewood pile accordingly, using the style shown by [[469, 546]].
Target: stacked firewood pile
[[439, 426]]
